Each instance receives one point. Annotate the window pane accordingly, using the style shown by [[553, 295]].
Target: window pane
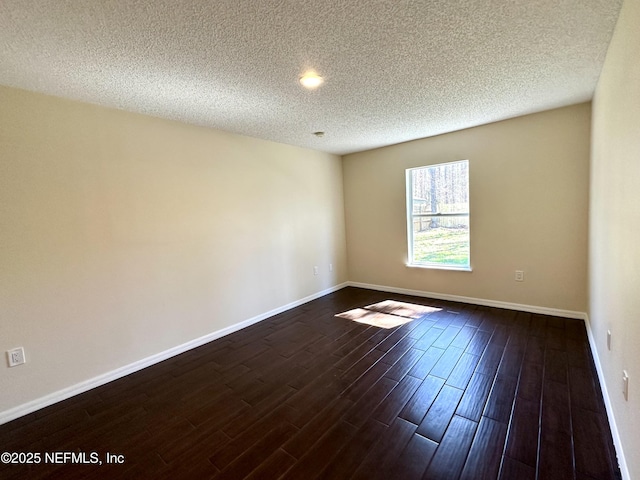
[[441, 189], [438, 200], [441, 240]]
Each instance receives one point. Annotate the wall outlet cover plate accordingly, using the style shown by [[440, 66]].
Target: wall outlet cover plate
[[15, 357]]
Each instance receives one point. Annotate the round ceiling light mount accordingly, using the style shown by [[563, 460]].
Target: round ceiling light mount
[[311, 80]]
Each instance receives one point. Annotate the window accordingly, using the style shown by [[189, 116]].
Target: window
[[438, 216]]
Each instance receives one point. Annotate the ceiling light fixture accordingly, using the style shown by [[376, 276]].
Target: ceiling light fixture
[[311, 80], [319, 134]]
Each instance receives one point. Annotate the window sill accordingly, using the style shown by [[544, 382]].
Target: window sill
[[440, 267]]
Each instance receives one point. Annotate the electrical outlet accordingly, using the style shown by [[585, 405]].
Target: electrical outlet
[[331, 267], [519, 276], [315, 270], [625, 385], [609, 339], [15, 357]]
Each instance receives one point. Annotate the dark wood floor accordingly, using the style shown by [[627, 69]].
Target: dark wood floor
[[463, 392]]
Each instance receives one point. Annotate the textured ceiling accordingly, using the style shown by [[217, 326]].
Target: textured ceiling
[[394, 70]]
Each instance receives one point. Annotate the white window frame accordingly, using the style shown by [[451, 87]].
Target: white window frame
[[411, 216]]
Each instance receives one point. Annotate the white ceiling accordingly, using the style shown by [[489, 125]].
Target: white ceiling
[[394, 70]]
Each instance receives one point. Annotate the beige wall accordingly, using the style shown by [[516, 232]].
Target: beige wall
[[529, 203], [614, 256], [122, 236]]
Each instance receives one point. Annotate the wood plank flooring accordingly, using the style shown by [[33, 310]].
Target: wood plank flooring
[[462, 392]]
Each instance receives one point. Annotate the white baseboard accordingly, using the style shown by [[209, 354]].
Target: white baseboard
[[532, 309], [624, 470], [81, 387], [475, 301]]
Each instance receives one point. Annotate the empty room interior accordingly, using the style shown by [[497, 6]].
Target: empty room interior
[[245, 239]]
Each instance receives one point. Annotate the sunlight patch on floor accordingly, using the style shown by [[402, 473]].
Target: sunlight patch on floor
[[402, 309], [388, 313]]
